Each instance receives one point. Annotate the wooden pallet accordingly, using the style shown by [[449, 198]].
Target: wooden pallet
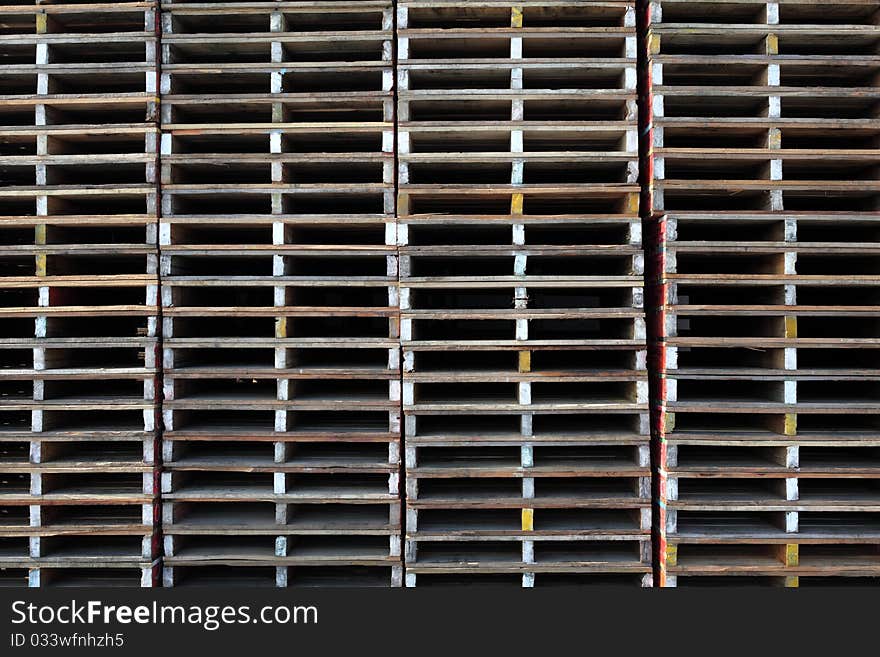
[[525, 389], [764, 197], [79, 574], [78, 307], [565, 578], [280, 307], [262, 574]]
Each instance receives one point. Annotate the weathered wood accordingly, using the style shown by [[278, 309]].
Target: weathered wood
[[522, 321], [764, 202], [280, 294], [79, 270]]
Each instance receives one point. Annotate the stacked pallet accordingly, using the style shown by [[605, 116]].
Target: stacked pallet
[[281, 408], [765, 193], [525, 392], [78, 346]]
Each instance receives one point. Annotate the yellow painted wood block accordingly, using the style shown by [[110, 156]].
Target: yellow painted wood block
[[632, 203], [791, 554], [528, 520], [671, 555], [669, 423], [791, 328], [525, 361], [516, 204], [772, 44], [791, 424], [280, 327], [516, 17]]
